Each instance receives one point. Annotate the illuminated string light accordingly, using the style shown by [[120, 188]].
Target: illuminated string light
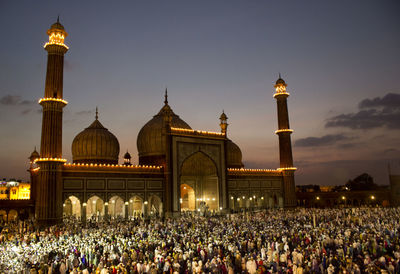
[[283, 130], [112, 166], [281, 93], [52, 100], [198, 132], [251, 170], [56, 38], [50, 160], [287, 168]]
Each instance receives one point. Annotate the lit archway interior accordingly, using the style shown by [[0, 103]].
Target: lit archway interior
[[72, 207], [155, 205], [94, 207], [188, 198], [135, 207], [116, 207], [199, 183]]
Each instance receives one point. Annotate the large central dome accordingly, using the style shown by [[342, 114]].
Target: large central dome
[[150, 141]]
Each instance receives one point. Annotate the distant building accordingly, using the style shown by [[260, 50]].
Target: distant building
[[327, 198], [15, 200], [361, 191], [14, 190]]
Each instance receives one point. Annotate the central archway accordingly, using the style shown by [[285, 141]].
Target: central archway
[[199, 183]]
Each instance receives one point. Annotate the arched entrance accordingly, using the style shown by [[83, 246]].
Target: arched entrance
[[116, 207], [199, 183], [155, 206], [135, 207], [72, 207], [94, 207]]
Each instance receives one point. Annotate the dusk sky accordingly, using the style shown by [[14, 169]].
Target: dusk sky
[[340, 59]]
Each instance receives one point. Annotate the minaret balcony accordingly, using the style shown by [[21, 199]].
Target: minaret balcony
[[290, 131], [281, 94], [56, 100]]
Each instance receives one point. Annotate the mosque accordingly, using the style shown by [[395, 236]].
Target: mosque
[[180, 168]]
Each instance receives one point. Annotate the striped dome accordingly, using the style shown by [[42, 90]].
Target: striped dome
[[95, 144], [149, 140], [234, 155]]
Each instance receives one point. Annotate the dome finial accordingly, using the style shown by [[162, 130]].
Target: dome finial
[[97, 113], [280, 75], [166, 96], [58, 18]]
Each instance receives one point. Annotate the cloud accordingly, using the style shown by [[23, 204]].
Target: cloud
[[14, 100], [320, 141], [390, 100], [10, 100], [26, 111], [348, 145], [373, 113]]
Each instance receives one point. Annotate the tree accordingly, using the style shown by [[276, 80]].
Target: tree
[[361, 182]]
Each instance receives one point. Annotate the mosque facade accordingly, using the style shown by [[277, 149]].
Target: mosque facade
[[180, 168]]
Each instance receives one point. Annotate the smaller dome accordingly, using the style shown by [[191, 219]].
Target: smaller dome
[[234, 155], [34, 155], [95, 144], [57, 27], [280, 81], [127, 155], [223, 116]]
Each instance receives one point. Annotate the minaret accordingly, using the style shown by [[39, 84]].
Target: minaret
[[166, 135], [34, 173], [49, 201], [223, 124], [285, 145]]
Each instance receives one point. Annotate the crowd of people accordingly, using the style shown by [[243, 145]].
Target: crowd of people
[[354, 240]]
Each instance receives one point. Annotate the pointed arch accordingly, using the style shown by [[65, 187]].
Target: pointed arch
[[72, 207], [116, 206], [136, 204], [199, 174], [94, 207], [197, 169], [155, 205]]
